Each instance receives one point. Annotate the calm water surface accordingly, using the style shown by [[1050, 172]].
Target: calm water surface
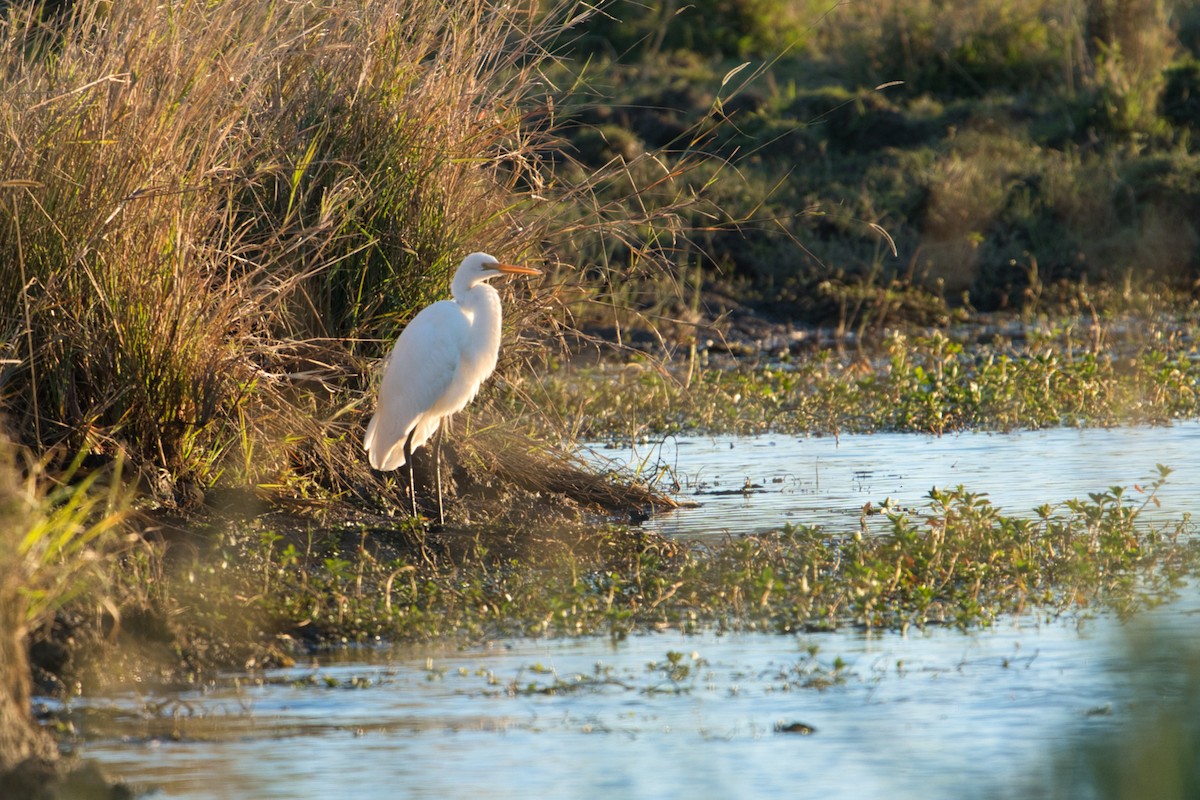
[[746, 485], [930, 714]]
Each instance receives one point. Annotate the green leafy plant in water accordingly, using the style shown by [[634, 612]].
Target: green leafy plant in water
[[933, 384], [677, 670], [959, 561]]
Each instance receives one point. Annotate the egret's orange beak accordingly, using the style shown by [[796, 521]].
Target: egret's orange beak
[[513, 269]]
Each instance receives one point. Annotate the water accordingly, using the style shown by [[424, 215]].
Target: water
[[938, 714], [927, 714], [826, 481]]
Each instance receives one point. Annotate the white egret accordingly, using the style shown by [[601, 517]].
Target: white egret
[[437, 366]]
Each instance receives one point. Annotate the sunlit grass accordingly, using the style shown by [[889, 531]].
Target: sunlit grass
[[1006, 149], [54, 542], [918, 383]]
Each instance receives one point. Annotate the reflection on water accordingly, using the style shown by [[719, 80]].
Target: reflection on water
[[748, 485], [939, 714], [931, 714]]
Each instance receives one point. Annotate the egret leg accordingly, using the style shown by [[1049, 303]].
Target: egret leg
[[437, 471], [412, 481]]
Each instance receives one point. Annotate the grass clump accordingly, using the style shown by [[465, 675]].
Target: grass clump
[[213, 213]]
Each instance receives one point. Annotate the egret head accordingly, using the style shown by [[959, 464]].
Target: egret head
[[479, 267]]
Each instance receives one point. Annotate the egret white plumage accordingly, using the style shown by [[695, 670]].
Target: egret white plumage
[[437, 366]]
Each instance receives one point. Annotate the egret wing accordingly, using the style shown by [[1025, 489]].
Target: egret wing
[[418, 372]]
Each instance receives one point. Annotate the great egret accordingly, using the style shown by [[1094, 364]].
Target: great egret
[[437, 366]]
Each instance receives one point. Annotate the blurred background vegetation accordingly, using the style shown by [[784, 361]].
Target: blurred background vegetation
[[1148, 746], [1016, 153]]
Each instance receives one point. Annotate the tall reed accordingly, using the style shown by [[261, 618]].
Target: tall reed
[[209, 210]]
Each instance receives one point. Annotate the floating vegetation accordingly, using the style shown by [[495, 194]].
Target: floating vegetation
[[929, 384], [959, 561]]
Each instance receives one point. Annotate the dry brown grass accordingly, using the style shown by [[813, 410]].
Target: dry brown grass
[[211, 210], [219, 215]]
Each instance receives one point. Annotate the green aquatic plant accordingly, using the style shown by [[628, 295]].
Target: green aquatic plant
[[922, 383], [958, 561]]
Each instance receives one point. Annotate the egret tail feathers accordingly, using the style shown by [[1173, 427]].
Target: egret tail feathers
[[385, 452]]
